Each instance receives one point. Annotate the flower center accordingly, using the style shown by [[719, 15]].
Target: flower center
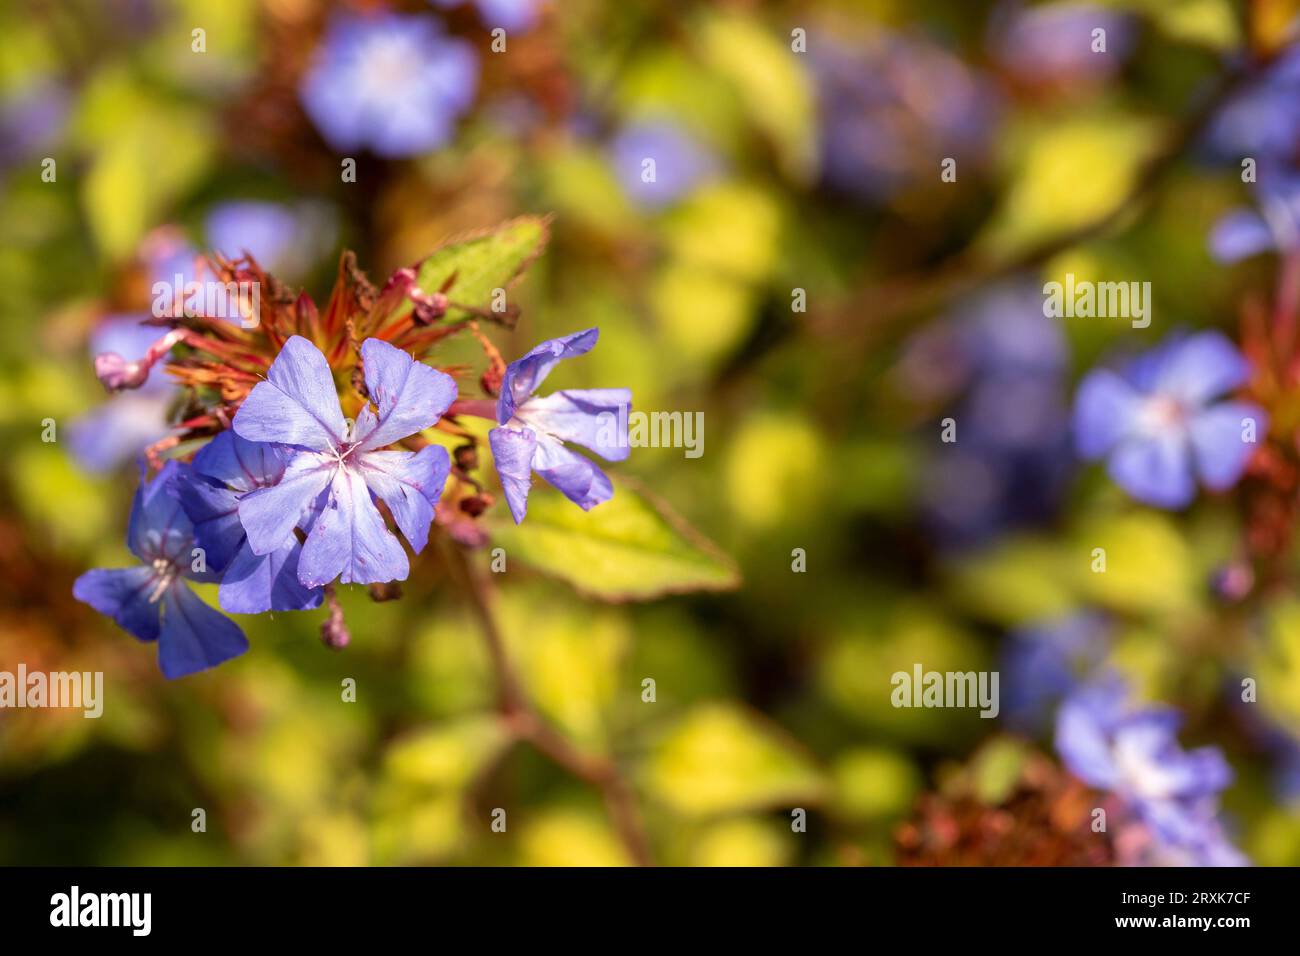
[[166, 572], [1162, 413]]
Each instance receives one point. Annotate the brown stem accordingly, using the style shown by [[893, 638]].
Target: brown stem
[[527, 724]]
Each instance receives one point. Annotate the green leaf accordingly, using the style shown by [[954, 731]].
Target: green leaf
[[776, 92], [478, 263], [628, 548], [723, 758]]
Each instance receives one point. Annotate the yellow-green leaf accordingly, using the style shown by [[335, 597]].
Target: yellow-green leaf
[[627, 548], [481, 262]]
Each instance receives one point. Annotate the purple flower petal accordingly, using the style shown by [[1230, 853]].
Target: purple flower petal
[[350, 540], [1104, 413], [268, 582], [512, 453], [297, 404], [269, 515], [409, 395], [525, 374], [410, 484], [576, 477], [1240, 234], [588, 417], [122, 594], [1200, 368], [1156, 469], [194, 636], [1218, 444], [159, 527]]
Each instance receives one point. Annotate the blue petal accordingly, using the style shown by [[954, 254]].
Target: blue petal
[[1200, 368], [122, 594], [269, 515], [409, 395], [577, 478], [1155, 469], [214, 511], [1217, 441], [269, 582], [297, 404], [1240, 234], [1105, 410], [350, 540], [524, 375], [241, 464], [594, 418], [409, 484], [159, 527], [512, 453], [194, 636]]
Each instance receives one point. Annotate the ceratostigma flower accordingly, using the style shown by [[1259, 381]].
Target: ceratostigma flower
[[1158, 423], [152, 601], [340, 464], [224, 471], [534, 429]]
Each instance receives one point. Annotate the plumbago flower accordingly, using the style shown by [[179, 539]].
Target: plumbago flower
[[533, 430], [390, 82], [311, 437], [332, 468], [152, 601], [226, 470], [1159, 423], [1134, 752]]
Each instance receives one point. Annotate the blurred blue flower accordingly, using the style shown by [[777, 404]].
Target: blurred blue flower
[[224, 470], [1134, 753], [1052, 43], [1262, 121], [534, 430], [152, 601], [892, 108], [1159, 425], [513, 15], [390, 82], [335, 467], [1043, 664], [284, 239], [998, 365], [31, 121], [658, 162], [1272, 227], [118, 430]]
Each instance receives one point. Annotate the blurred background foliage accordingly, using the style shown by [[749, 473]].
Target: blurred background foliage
[[816, 170]]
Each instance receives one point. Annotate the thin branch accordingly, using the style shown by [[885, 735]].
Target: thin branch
[[527, 724]]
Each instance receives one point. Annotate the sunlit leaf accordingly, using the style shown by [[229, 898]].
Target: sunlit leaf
[[722, 758], [627, 548], [479, 263]]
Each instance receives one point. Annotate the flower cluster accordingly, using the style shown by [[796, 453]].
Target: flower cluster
[[1134, 753], [314, 455]]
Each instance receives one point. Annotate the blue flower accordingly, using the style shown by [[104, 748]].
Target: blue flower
[[118, 430], [893, 106], [152, 601], [284, 239], [1261, 121], [1159, 427], [224, 470], [514, 15], [1273, 227], [680, 162], [1052, 44], [1134, 753], [334, 467], [390, 82], [1041, 665], [534, 429]]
